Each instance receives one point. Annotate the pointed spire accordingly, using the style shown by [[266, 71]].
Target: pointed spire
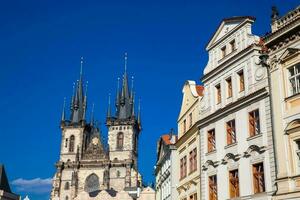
[[131, 90], [132, 111], [63, 114], [92, 114], [125, 63], [109, 108], [81, 66]]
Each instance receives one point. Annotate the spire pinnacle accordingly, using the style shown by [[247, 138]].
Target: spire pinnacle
[[92, 114], [63, 111], [81, 65], [108, 109], [125, 62]]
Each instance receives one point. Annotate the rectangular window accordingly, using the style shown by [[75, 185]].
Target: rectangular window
[[258, 178], [191, 119], [241, 80], [232, 45], [218, 91], [191, 164], [223, 51], [211, 140], [229, 87], [183, 167], [231, 134], [184, 126], [254, 125], [213, 188], [294, 79], [193, 160], [234, 188]]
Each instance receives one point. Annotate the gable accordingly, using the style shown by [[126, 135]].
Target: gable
[[226, 26], [190, 95]]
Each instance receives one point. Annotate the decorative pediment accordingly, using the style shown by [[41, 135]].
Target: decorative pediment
[[254, 148], [230, 156], [293, 126], [289, 53], [226, 26], [210, 163]]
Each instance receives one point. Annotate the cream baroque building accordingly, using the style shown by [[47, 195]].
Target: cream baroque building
[[283, 45], [166, 169], [188, 143], [86, 168], [237, 154]]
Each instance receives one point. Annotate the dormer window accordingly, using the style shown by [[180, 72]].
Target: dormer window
[[223, 51], [232, 45]]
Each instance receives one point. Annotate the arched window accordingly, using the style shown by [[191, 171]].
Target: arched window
[[120, 140], [72, 143], [67, 198], [67, 186], [92, 185]]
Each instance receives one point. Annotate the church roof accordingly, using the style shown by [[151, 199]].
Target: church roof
[[4, 185]]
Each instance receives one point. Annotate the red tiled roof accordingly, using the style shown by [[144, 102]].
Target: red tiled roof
[[200, 89], [166, 138]]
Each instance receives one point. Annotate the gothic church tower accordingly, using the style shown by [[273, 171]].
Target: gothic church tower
[[123, 133], [86, 167]]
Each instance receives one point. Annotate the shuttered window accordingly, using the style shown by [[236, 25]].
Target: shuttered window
[[231, 134], [234, 188], [258, 178]]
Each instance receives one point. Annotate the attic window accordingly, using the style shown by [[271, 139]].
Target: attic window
[[223, 51], [232, 45]]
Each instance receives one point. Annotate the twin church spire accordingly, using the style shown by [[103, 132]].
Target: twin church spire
[[125, 101]]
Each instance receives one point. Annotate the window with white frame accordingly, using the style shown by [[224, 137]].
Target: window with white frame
[[294, 79]]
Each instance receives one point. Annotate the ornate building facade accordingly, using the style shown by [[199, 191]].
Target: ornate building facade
[[237, 155], [283, 50], [86, 168], [188, 144]]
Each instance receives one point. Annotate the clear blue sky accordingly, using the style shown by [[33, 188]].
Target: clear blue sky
[[40, 49]]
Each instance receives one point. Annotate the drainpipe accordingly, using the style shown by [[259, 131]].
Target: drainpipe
[[263, 61]]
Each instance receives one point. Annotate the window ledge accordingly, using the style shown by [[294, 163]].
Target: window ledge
[[294, 96], [211, 152], [254, 137], [227, 55], [230, 145]]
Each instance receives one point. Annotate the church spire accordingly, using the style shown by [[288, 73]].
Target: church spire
[[79, 100], [92, 114], [63, 114], [109, 107]]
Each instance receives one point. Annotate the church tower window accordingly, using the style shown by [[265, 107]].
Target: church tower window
[[120, 140], [67, 186], [72, 143]]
